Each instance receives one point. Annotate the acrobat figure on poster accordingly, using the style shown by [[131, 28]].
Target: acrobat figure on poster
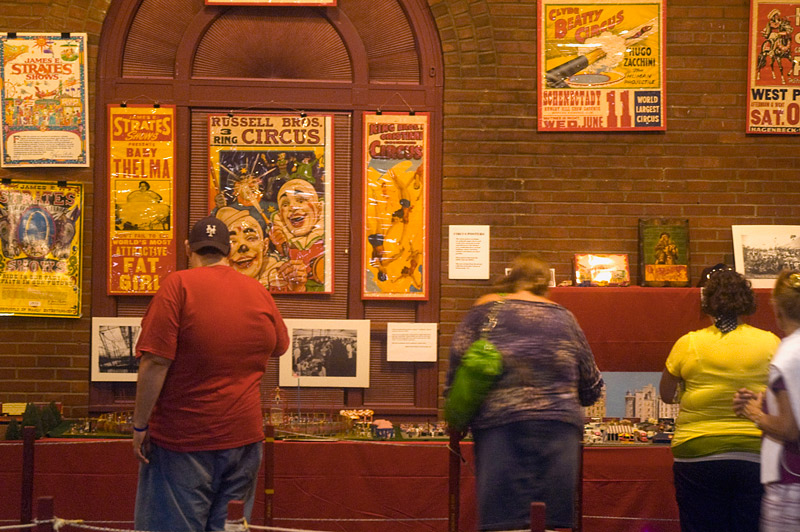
[[381, 222], [308, 167], [410, 271], [385, 223], [777, 45]]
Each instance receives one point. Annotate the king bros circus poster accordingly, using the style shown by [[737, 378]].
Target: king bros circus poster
[[141, 165], [773, 81], [601, 66], [395, 235]]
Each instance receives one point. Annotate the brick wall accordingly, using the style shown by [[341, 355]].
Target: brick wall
[[554, 193], [563, 193], [47, 359]]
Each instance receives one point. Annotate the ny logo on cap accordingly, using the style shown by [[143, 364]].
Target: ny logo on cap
[[211, 230]]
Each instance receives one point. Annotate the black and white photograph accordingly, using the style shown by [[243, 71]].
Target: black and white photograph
[[762, 251], [326, 353], [114, 349]]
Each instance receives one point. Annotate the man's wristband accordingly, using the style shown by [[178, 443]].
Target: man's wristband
[[143, 429]]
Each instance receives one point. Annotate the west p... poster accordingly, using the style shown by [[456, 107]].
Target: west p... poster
[[601, 66], [396, 182], [40, 240], [773, 82], [45, 100], [141, 184], [271, 182]]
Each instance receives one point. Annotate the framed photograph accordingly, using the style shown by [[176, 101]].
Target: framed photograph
[[760, 252], [602, 270], [326, 353], [663, 252], [114, 349]]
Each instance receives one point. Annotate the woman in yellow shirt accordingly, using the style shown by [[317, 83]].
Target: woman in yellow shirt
[[716, 453]]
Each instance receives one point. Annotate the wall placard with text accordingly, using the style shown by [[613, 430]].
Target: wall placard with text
[[41, 243], [395, 236], [773, 83], [141, 184], [45, 100], [601, 66]]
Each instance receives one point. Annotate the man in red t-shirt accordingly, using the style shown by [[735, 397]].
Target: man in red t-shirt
[[205, 341]]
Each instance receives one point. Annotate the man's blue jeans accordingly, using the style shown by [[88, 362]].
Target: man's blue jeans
[[189, 492]]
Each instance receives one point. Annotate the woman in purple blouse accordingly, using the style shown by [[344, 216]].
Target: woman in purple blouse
[[528, 431]]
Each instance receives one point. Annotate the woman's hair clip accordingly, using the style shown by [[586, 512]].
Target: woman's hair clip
[[794, 281]]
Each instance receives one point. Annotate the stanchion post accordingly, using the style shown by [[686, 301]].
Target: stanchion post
[[44, 514], [454, 484], [269, 473], [537, 516], [579, 493], [26, 502], [235, 519]]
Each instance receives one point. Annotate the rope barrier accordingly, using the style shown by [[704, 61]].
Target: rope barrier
[[240, 525], [15, 527]]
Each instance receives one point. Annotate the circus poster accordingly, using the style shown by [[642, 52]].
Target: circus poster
[[141, 184], [271, 2], [395, 237], [270, 180], [45, 100], [41, 244], [773, 81], [601, 66]]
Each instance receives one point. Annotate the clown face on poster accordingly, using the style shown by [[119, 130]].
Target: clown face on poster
[[601, 66]]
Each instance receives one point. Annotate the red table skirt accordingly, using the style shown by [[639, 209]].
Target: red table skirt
[[633, 328], [346, 486]]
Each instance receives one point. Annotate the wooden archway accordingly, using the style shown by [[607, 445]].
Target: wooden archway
[[359, 56]]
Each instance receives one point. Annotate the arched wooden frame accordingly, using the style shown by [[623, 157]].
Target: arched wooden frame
[[382, 54]]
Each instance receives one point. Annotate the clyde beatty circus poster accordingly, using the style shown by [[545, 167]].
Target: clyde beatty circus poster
[[601, 66], [271, 182], [773, 82], [396, 181], [40, 240], [44, 92], [141, 174]]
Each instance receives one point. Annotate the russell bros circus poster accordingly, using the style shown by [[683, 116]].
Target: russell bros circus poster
[[601, 66]]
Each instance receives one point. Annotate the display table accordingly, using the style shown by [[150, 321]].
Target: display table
[[346, 486], [633, 328]]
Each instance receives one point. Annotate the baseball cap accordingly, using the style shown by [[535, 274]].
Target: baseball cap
[[210, 232]]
